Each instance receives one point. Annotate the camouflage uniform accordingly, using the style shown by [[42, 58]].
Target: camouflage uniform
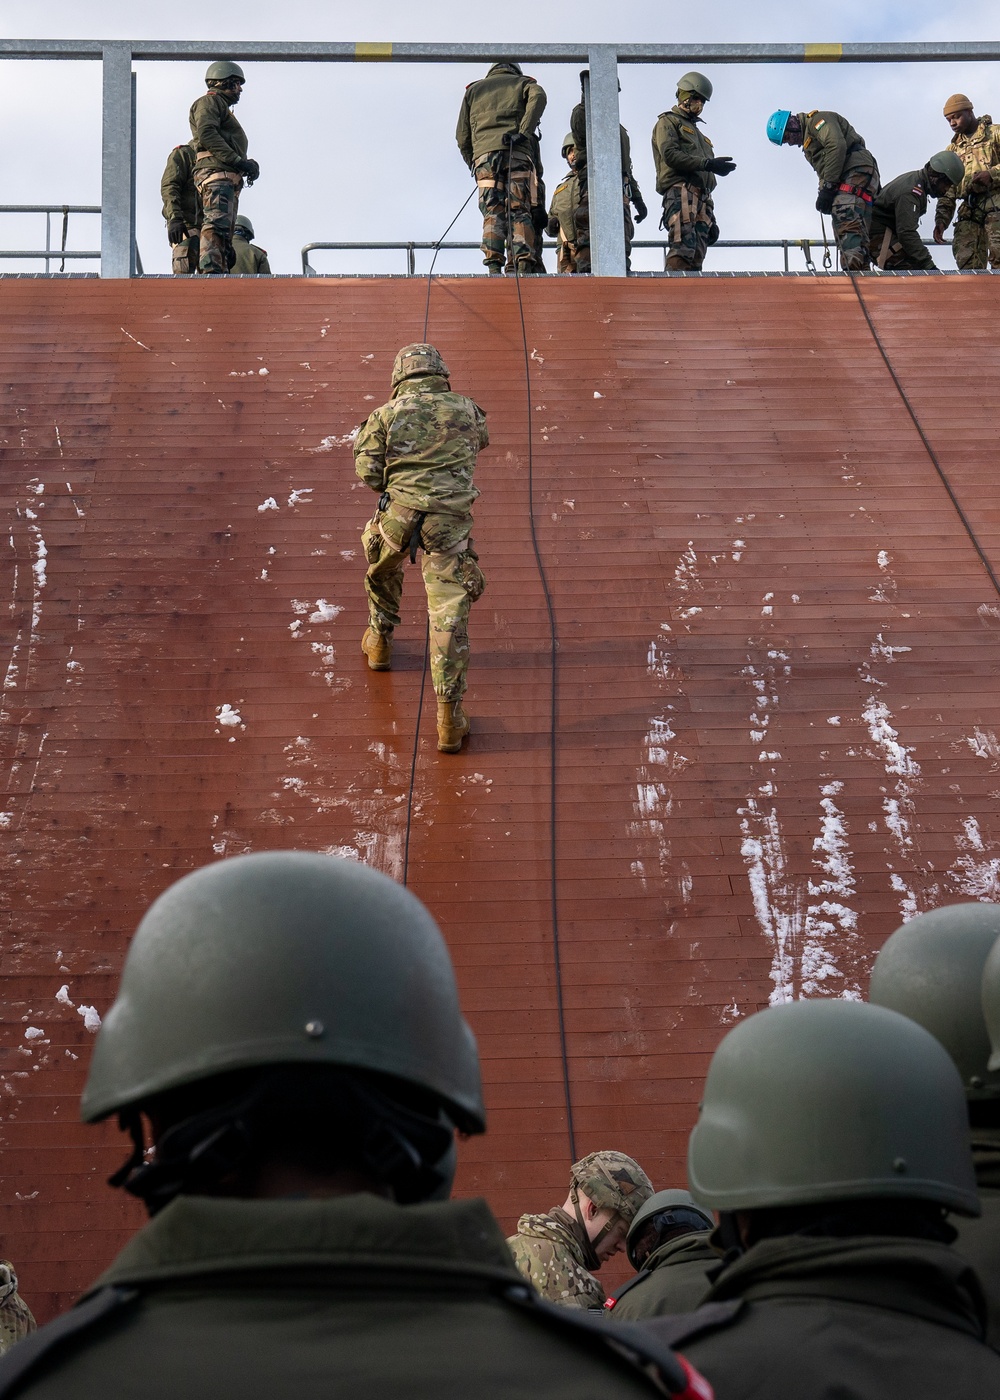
[[896, 244], [421, 449], [563, 210], [839, 156], [16, 1320], [221, 146], [498, 105], [630, 190], [679, 154], [180, 201], [977, 231], [249, 258]]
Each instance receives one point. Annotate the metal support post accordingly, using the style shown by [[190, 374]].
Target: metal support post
[[118, 163], [604, 165]]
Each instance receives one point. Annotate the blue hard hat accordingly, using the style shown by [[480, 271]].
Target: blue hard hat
[[776, 124]]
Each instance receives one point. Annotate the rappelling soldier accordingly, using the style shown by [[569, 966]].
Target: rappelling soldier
[[418, 451], [221, 163], [686, 175], [848, 175], [497, 135]]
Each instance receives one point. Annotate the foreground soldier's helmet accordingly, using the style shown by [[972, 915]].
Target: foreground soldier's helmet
[[695, 82], [417, 359], [776, 124], [931, 970], [613, 1182], [831, 1101], [674, 1211], [219, 71], [243, 222], [949, 164], [281, 958], [991, 1004]]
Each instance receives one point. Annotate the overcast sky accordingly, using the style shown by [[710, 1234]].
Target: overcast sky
[[367, 151]]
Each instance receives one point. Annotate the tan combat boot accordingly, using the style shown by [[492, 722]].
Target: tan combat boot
[[453, 725], [378, 649]]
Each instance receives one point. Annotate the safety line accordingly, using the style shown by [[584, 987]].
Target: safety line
[[924, 438]]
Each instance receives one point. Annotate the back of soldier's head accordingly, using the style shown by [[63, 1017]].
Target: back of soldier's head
[[664, 1216], [294, 999], [821, 1104]]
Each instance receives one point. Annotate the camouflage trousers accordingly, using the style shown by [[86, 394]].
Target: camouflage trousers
[[184, 255], [453, 581], [977, 238], [688, 217], [851, 217], [220, 202], [494, 175], [582, 218]]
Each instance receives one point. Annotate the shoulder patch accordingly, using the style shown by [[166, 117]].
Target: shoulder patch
[[917, 191], [820, 123], [678, 1328]]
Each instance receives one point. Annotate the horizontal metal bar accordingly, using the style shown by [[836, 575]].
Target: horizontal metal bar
[[50, 208], [49, 254]]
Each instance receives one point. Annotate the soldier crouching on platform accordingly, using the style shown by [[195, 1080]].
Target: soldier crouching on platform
[[848, 175], [419, 452], [896, 245], [686, 171], [182, 210], [221, 164]]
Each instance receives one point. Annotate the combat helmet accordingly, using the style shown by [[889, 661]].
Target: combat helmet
[[417, 359], [696, 83], [612, 1181], [776, 124], [222, 70], [950, 165], [818, 1101], [673, 1212], [244, 223], [569, 144], [991, 1005], [287, 960], [931, 970]]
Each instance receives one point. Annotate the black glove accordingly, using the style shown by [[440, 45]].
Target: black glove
[[824, 200], [511, 138], [250, 170], [713, 234], [640, 209], [176, 231], [552, 228], [720, 165]]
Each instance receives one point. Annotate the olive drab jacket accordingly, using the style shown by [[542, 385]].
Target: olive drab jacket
[[680, 151], [214, 129], [979, 1240], [578, 126], [549, 1252], [180, 198], [249, 258], [875, 1318], [836, 152], [565, 202], [896, 211], [421, 447], [978, 151], [674, 1279], [351, 1298], [502, 102]]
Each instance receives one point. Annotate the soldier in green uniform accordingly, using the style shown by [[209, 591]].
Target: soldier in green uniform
[[563, 209], [896, 245], [848, 175], [419, 452], [497, 134], [559, 1253], [686, 175], [631, 194], [16, 1320], [287, 1038], [976, 142], [221, 163], [249, 258], [668, 1245], [833, 1141], [931, 970], [182, 210]]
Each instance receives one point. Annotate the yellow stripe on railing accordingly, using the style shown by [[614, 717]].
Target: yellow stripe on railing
[[373, 53], [823, 53]]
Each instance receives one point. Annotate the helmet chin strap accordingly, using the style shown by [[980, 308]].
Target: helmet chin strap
[[591, 1258]]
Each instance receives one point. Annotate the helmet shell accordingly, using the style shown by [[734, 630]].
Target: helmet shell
[[285, 957], [991, 1005], [613, 1182], [417, 359], [244, 223], [222, 69], [931, 970], [776, 124], [696, 82], [569, 143], [656, 1204], [831, 1101], [949, 164]]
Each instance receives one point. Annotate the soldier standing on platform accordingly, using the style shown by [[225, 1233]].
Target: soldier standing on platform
[[221, 163], [563, 210], [686, 171], [182, 210], [976, 142], [631, 194]]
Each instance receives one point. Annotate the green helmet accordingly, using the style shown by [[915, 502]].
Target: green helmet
[[222, 69], [931, 970], [244, 223], [831, 1101], [947, 163], [282, 958], [697, 83], [991, 1005], [676, 1211], [417, 359], [569, 143], [612, 1181]]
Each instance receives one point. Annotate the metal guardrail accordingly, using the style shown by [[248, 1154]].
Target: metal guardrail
[[48, 253]]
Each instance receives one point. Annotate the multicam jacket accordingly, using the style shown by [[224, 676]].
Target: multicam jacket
[[836, 152], [548, 1252], [180, 198], [216, 130], [16, 1320], [979, 151], [680, 151], [502, 102], [421, 447]]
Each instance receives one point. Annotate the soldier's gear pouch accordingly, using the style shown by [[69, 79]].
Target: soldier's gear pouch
[[371, 541]]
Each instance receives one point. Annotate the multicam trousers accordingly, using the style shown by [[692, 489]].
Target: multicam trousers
[[220, 200], [688, 216], [453, 581], [184, 255], [977, 237], [493, 174], [851, 217]]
